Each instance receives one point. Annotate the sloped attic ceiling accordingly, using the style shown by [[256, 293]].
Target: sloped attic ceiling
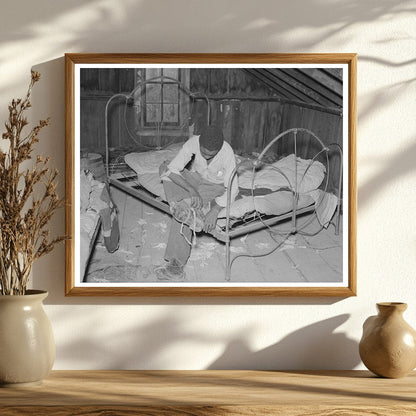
[[314, 86]]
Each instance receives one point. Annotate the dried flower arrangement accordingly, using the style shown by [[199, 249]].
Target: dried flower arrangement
[[28, 199]]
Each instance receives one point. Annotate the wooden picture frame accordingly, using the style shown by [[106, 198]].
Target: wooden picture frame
[[323, 85]]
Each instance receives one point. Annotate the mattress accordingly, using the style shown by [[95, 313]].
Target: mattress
[[276, 181]]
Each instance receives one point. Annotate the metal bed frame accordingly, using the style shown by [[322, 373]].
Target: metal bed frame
[[129, 185]]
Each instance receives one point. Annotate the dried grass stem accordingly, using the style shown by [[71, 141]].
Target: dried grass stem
[[24, 216]]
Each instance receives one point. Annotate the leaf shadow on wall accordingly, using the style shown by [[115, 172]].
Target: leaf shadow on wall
[[316, 346], [105, 26], [402, 163], [396, 167], [152, 345], [143, 346]]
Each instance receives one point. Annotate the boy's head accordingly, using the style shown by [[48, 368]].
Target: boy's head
[[211, 138]]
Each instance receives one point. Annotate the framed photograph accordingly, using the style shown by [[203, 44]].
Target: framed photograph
[[211, 174]]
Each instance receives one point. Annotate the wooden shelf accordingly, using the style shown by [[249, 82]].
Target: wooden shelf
[[204, 393]]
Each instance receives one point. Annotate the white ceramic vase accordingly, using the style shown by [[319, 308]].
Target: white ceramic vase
[[27, 346]]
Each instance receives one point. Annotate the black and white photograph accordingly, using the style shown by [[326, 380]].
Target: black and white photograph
[[211, 175]]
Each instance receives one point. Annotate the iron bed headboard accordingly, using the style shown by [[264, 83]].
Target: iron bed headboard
[[131, 95]]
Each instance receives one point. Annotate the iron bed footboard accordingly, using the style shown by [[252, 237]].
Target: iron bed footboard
[[229, 234]]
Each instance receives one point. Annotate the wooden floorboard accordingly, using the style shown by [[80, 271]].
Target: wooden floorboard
[[144, 232], [206, 263]]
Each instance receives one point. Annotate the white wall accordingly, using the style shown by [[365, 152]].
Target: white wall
[[199, 333]]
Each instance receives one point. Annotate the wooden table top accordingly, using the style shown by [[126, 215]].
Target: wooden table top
[[205, 393]]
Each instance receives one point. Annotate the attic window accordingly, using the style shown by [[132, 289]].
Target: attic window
[[161, 97]]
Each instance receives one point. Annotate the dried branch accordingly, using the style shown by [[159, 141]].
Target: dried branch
[[23, 217]]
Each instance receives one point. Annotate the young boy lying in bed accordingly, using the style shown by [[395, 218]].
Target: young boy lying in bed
[[196, 196]]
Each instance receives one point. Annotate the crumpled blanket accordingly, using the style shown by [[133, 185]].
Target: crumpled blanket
[[99, 201], [149, 162], [325, 206], [109, 221], [280, 202]]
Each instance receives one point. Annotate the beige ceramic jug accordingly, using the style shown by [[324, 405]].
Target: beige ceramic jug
[[388, 345]]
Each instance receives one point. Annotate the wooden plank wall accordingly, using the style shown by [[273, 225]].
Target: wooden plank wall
[[327, 126], [252, 115], [247, 110], [97, 87]]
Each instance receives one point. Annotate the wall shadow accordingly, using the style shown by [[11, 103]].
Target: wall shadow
[[391, 170], [138, 347], [48, 100], [314, 347], [132, 19]]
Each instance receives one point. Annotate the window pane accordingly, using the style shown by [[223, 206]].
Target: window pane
[[171, 72], [170, 113], [161, 98], [152, 72], [153, 93], [153, 113], [170, 93]]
